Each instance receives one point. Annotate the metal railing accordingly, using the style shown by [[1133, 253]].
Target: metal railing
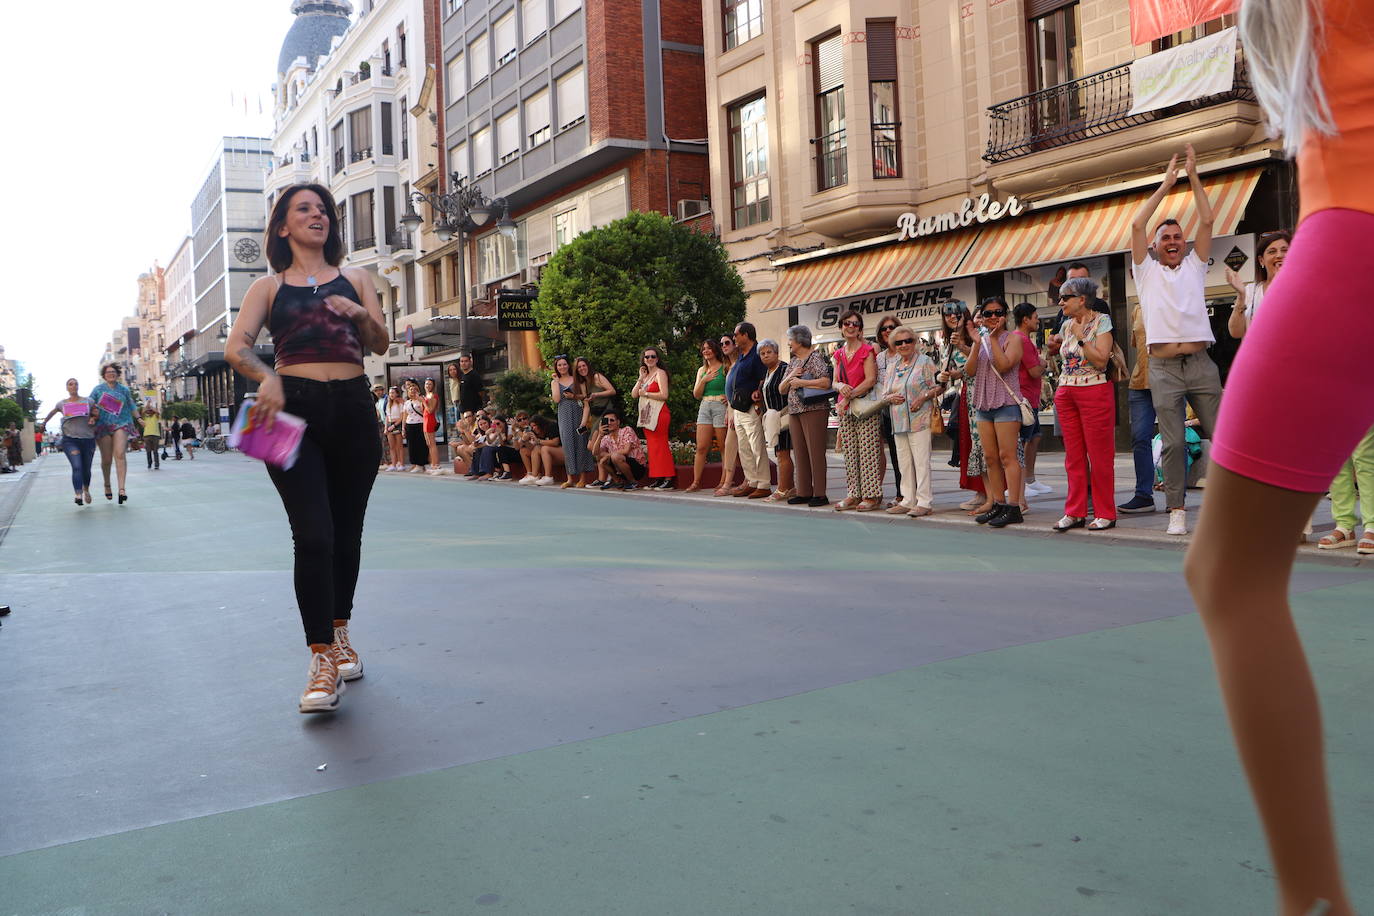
[[358, 155], [367, 241], [1080, 109], [832, 160], [886, 153], [397, 239]]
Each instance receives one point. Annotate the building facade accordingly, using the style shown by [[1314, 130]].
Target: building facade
[[895, 157], [179, 321], [149, 360]]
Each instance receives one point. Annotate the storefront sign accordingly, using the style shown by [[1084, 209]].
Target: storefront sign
[[1190, 71], [981, 209], [513, 309], [917, 307]]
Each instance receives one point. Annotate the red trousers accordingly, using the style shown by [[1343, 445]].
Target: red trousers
[[1086, 417]]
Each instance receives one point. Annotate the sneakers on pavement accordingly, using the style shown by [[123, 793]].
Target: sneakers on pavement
[[1178, 522], [543, 481], [345, 656], [1036, 488], [1137, 504], [325, 687]]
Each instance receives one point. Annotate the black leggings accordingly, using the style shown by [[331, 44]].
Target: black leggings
[[416, 445], [325, 495]]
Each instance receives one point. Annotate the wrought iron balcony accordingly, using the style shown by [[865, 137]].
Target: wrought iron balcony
[[832, 160], [1088, 107]]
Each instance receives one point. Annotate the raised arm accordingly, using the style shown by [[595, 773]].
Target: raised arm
[[1202, 242], [1140, 223]]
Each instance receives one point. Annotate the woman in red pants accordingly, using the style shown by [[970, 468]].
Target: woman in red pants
[[1085, 402]]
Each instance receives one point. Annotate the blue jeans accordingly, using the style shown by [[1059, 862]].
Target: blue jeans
[[1142, 432], [81, 454]]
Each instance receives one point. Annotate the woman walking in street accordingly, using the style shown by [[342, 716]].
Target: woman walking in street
[[1085, 403], [654, 417], [79, 416], [322, 318], [152, 435], [994, 363], [709, 387], [808, 373], [856, 369], [417, 451], [115, 427], [431, 402], [1312, 67], [577, 460]]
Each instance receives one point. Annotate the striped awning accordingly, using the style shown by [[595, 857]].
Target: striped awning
[[886, 267], [1103, 226]]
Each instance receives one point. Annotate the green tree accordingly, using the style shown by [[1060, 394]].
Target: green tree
[[190, 410], [10, 413], [34, 403], [522, 389], [640, 281]]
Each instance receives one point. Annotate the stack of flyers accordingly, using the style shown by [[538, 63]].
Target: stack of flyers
[[76, 408], [110, 404], [277, 444]]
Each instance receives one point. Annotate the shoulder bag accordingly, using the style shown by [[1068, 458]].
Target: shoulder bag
[[810, 397], [1027, 413], [861, 408]]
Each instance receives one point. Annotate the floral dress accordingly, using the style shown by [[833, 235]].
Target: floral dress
[[112, 422]]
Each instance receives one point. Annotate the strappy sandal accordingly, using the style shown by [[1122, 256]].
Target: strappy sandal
[[869, 505], [1366, 545], [692, 487], [779, 496], [974, 503], [846, 504], [1069, 522], [1337, 539]]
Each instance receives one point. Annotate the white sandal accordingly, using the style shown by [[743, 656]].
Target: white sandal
[[1337, 539]]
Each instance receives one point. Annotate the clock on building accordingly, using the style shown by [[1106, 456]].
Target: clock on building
[[247, 251]]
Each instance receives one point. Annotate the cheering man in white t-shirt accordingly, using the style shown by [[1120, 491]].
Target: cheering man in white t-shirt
[[1171, 283]]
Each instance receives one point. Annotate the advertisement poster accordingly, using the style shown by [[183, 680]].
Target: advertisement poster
[[418, 372]]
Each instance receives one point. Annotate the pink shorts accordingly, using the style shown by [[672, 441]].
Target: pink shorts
[[1297, 401]]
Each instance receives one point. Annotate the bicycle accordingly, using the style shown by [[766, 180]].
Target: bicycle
[[217, 444]]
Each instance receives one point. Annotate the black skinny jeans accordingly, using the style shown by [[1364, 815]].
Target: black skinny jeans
[[325, 495]]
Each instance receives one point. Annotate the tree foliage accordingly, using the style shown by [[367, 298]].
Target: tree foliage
[[522, 389], [640, 281], [189, 410], [10, 413]]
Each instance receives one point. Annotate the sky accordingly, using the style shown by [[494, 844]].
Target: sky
[[115, 113]]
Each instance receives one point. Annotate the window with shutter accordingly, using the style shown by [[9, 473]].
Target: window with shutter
[[481, 152], [534, 19], [882, 97], [571, 90], [457, 78], [832, 150], [458, 160], [508, 136], [479, 63], [503, 38], [749, 187], [537, 118], [608, 203]]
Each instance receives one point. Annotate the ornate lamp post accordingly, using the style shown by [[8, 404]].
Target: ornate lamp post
[[462, 210]]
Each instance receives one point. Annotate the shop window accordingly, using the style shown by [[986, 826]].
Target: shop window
[[743, 21], [882, 98], [749, 187], [832, 149]]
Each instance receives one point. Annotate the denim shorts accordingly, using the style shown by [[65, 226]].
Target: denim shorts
[[711, 413], [1033, 431], [1010, 413]]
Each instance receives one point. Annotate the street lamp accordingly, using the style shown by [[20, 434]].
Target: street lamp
[[457, 213]]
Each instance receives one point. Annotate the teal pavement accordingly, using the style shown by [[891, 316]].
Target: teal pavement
[[585, 703]]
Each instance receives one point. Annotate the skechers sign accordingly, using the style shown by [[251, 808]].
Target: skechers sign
[[974, 210], [915, 306]]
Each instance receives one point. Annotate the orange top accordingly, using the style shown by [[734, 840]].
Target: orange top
[[1334, 171]]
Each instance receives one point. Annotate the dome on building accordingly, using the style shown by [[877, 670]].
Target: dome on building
[[317, 23]]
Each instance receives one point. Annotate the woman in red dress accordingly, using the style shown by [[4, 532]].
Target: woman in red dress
[[654, 418]]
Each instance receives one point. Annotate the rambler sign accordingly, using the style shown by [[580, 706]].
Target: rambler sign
[[974, 210]]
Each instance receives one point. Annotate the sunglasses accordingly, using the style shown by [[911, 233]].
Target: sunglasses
[[850, 324], [1067, 296], [994, 313], [905, 341], [650, 356]]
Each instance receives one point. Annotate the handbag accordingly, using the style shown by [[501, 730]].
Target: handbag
[[862, 408], [937, 422], [813, 396], [1027, 413]]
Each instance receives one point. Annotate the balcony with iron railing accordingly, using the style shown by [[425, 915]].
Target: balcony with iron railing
[[1084, 128], [832, 160]]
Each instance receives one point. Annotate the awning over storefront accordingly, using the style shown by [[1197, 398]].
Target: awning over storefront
[[1103, 226], [887, 267]]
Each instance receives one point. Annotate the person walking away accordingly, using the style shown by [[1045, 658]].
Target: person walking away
[[1085, 403], [1171, 284], [79, 416], [188, 438], [654, 417], [709, 388], [1031, 375], [115, 428], [742, 392], [856, 367], [909, 387], [776, 432], [321, 318], [808, 374], [152, 436], [993, 363]]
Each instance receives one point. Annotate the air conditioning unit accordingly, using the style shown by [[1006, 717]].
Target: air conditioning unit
[[686, 209], [477, 292]]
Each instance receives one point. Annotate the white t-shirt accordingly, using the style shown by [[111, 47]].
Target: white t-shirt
[[1174, 300], [1254, 295]]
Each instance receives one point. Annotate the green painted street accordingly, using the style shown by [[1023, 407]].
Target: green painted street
[[585, 703]]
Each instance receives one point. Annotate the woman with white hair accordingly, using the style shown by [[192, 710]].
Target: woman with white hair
[[1312, 65], [1085, 403], [777, 434], [807, 386]]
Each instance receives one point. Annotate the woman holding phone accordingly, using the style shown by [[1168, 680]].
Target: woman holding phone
[[321, 318]]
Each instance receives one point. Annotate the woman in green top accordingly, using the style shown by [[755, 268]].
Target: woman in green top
[[710, 388]]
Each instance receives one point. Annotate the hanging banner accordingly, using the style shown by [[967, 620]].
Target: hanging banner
[[1195, 70], [1151, 19]]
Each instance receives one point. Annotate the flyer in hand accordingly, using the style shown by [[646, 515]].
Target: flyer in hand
[[278, 444], [110, 404]]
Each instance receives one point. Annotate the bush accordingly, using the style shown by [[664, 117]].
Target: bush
[[10, 413], [522, 389], [640, 281], [193, 410]]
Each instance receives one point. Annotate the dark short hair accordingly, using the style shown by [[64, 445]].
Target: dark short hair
[[606, 415], [1079, 265], [1167, 222], [1263, 241], [851, 313], [1023, 311], [279, 249], [107, 367], [747, 330]]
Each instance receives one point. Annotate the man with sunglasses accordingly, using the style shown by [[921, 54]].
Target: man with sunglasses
[[622, 454], [742, 386], [1171, 282]]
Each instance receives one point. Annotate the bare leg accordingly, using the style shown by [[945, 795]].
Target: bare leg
[[705, 436], [785, 471], [120, 441], [729, 455], [1007, 436], [106, 446], [1238, 568], [1032, 448], [433, 450], [551, 455], [994, 480]]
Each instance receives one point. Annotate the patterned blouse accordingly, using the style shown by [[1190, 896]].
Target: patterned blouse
[[912, 381], [814, 366]]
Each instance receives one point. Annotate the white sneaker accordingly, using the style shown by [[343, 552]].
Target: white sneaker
[[346, 658], [1036, 488], [325, 687], [1178, 522], [544, 481], [415, 469], [526, 481]]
